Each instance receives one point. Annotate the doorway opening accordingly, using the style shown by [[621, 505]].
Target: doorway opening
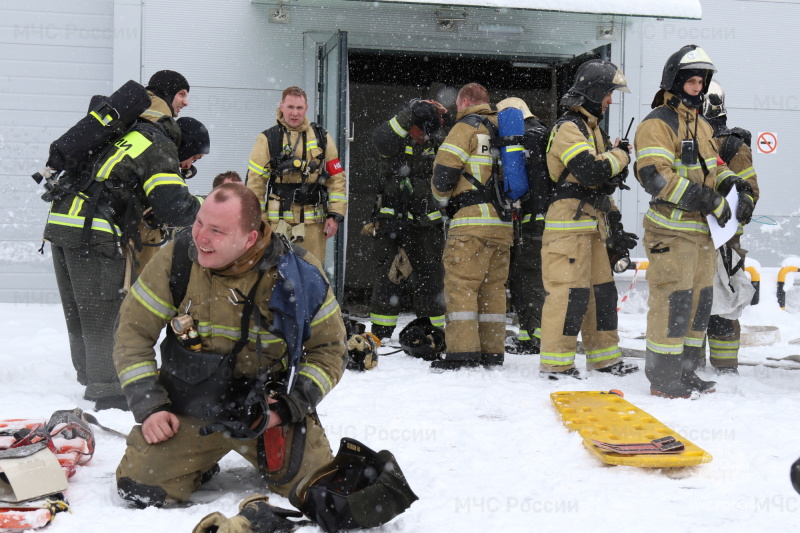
[[381, 81]]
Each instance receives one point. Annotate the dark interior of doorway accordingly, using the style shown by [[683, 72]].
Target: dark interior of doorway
[[381, 81]]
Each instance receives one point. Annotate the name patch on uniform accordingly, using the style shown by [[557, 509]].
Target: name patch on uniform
[[484, 146], [334, 167]]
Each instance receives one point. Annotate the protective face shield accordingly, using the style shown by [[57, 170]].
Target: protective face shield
[[358, 489], [689, 57], [420, 338], [714, 101], [593, 81]]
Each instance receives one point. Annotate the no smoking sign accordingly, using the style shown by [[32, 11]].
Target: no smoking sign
[[767, 143]]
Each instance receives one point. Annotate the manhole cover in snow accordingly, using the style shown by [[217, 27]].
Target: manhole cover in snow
[[760, 335]]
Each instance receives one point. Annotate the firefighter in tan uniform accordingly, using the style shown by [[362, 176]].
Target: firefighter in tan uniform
[[477, 252], [677, 165], [247, 304], [581, 225], [295, 171], [734, 150]]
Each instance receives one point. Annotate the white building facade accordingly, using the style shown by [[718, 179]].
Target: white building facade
[[358, 60]]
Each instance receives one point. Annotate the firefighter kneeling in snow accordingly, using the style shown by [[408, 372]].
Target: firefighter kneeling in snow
[[256, 341], [582, 228]]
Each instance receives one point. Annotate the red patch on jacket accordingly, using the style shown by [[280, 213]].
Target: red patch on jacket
[[334, 167]]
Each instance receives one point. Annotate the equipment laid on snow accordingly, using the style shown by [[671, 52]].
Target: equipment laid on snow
[[70, 165], [256, 515], [359, 488], [31, 514], [795, 475], [420, 338], [611, 426], [663, 445], [362, 351], [36, 458]]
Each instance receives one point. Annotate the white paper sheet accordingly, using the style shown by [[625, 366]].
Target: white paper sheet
[[722, 235]]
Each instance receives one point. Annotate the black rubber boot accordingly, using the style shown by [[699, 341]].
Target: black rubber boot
[[620, 368], [514, 345], [489, 360], [665, 372], [382, 332], [456, 361], [563, 374], [691, 357], [208, 474], [111, 402]]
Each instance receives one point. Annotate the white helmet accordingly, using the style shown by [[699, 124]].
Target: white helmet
[[714, 101]]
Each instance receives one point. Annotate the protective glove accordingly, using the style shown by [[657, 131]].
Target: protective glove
[[266, 518], [618, 238], [618, 181], [244, 416], [713, 203], [744, 211], [256, 515]]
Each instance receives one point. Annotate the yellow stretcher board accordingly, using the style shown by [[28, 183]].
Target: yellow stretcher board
[[607, 417]]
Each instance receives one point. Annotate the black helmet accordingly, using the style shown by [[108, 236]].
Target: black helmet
[[691, 57], [593, 81], [795, 475], [425, 116], [714, 102], [359, 488], [420, 338], [194, 138]]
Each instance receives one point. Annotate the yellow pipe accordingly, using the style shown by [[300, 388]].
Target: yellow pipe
[[754, 275], [781, 292]]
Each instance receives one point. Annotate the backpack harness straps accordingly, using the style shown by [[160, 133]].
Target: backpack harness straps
[[97, 202], [282, 159], [490, 192], [179, 275], [567, 190]]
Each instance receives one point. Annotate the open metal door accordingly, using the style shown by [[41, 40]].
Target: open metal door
[[332, 115]]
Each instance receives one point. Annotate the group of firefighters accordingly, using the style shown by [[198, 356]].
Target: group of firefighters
[[559, 268], [440, 227]]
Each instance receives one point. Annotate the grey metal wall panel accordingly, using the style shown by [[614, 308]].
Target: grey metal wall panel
[[53, 56]]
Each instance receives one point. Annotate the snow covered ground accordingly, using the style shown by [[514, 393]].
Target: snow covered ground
[[484, 450]]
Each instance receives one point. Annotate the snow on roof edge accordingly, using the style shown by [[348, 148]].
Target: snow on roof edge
[[673, 9]]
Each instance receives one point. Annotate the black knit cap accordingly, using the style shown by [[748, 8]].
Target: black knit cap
[[166, 84], [194, 138]]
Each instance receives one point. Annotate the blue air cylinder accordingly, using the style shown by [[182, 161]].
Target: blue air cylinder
[[511, 127]]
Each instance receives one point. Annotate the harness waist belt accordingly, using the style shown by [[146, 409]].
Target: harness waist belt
[[598, 200]]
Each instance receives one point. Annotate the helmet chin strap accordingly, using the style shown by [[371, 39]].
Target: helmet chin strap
[[593, 107]]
